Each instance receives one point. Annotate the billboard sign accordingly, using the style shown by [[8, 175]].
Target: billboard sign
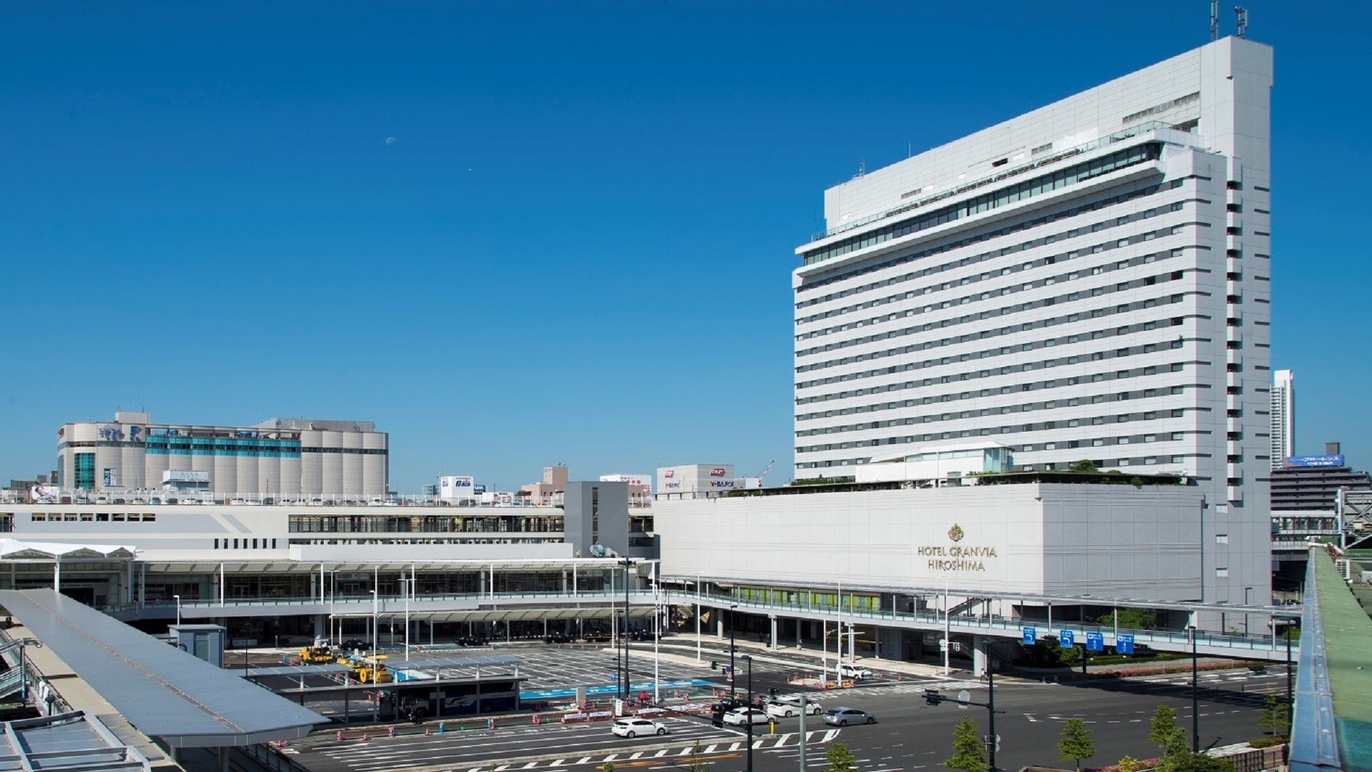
[[1303, 461], [44, 494], [456, 488]]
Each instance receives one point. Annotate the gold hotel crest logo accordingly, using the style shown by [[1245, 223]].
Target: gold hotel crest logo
[[955, 533]]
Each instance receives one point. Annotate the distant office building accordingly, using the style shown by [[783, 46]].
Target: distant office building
[[1283, 417], [692, 480], [1310, 483], [547, 493], [1090, 280], [640, 487], [280, 459], [457, 489]]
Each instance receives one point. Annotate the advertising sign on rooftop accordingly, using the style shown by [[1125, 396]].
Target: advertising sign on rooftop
[[1314, 460]]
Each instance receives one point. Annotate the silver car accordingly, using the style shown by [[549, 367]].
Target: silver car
[[846, 716]]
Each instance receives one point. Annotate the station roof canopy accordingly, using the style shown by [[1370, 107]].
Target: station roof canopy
[[13, 549], [162, 691], [73, 742]]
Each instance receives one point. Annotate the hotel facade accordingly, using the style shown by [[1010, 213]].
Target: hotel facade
[[1088, 281]]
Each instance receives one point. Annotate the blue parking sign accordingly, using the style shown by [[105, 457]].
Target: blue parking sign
[[1124, 644], [1066, 639], [1030, 634], [1095, 642]]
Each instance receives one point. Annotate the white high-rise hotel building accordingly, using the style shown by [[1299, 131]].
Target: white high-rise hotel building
[[1090, 280]]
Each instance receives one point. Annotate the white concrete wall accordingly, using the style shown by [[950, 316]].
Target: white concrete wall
[[1058, 539]]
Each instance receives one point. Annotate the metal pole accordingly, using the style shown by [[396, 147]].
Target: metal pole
[[178, 609], [804, 706], [627, 564], [657, 633], [408, 584], [749, 660], [697, 617], [947, 630], [991, 705], [1287, 633], [733, 674], [1195, 697]]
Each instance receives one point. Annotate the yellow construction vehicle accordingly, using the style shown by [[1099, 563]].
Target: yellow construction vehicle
[[318, 654], [369, 670]]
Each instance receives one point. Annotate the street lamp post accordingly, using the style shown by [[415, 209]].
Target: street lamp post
[[749, 659], [1246, 590], [408, 585], [697, 617], [657, 634], [733, 674], [376, 615], [178, 609], [624, 632], [1195, 695], [932, 697]]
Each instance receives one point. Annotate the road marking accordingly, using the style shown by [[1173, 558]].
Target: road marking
[[636, 755]]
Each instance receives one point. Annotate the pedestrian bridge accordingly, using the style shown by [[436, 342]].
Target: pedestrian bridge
[[1259, 644]]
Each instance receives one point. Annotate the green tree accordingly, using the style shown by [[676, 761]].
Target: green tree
[[840, 758], [1274, 716], [1076, 742], [697, 763], [969, 752], [1084, 465], [1137, 618], [1163, 730]]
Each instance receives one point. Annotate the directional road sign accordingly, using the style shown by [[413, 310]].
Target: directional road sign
[[1030, 634], [1065, 639], [1124, 644], [1095, 642]]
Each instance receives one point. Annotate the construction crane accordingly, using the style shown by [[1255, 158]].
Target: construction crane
[[763, 474]]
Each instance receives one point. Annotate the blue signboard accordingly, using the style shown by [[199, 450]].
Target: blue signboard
[[1124, 644], [1095, 642], [1065, 639], [1315, 460], [1029, 635]]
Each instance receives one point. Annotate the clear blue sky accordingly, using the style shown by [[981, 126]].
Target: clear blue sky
[[577, 247]]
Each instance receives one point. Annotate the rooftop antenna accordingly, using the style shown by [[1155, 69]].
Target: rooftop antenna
[[1214, 20], [1243, 19]]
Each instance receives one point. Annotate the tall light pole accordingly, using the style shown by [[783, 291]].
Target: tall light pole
[[697, 617], [627, 563], [749, 659], [1195, 695], [376, 615], [657, 633], [733, 674], [178, 609], [408, 586]]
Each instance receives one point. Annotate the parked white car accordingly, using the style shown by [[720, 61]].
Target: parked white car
[[849, 670]]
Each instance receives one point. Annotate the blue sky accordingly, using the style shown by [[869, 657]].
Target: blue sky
[[577, 246]]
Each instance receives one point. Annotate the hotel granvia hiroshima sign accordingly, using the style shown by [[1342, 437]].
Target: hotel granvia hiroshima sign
[[956, 556]]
